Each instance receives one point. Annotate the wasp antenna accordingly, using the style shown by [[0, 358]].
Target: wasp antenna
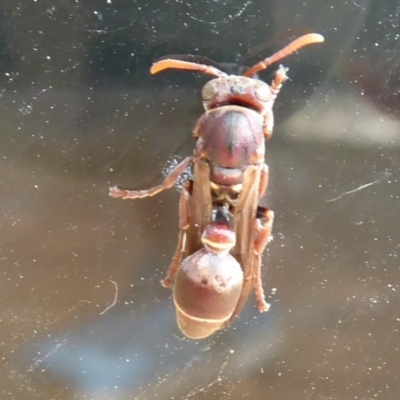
[[298, 43], [190, 66]]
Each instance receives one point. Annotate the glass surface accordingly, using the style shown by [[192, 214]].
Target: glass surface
[[82, 311]]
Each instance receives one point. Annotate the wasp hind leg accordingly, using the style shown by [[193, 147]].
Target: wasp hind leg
[[264, 221], [184, 221]]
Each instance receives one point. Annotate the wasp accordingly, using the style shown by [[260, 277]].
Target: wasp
[[230, 177]]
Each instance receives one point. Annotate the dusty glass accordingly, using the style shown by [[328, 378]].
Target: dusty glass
[[82, 311]]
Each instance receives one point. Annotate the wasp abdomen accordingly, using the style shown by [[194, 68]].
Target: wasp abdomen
[[206, 291]]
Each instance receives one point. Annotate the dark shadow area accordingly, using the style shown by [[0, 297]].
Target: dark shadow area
[[82, 311]]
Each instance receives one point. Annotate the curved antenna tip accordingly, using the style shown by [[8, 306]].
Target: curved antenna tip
[[318, 38]]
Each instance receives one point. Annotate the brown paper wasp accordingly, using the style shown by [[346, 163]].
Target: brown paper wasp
[[223, 230]]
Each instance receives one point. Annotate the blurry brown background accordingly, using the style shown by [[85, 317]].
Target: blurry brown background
[[79, 112]]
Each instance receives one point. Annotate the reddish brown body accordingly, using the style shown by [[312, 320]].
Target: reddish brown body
[[222, 264]]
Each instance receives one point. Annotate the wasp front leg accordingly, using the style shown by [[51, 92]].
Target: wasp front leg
[[279, 79], [264, 222], [276, 85], [169, 181], [268, 123], [264, 177]]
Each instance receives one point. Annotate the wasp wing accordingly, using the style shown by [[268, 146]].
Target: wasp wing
[[200, 206], [245, 216]]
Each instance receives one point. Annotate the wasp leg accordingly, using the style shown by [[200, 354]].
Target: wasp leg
[[279, 79], [268, 123], [276, 85], [263, 181], [169, 181], [184, 222], [264, 221]]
